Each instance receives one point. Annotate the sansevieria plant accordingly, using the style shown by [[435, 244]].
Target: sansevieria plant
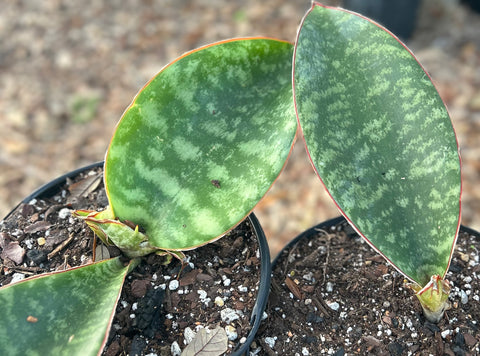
[[192, 155], [382, 142], [204, 140]]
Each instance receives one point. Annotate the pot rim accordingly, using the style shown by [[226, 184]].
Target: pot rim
[[50, 188], [335, 221], [53, 186]]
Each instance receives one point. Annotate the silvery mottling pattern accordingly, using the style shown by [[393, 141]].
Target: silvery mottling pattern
[[380, 138]]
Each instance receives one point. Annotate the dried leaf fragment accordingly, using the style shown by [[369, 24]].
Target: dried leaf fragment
[[84, 187], [14, 252], [293, 287], [37, 227], [205, 343]]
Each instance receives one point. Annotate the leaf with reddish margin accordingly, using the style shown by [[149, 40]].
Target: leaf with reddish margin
[[61, 313], [202, 142], [380, 138]]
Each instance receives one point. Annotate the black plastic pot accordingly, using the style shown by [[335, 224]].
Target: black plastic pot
[[51, 188], [278, 299], [54, 186], [326, 225], [307, 234], [399, 16]]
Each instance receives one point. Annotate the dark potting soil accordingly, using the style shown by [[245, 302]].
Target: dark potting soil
[[333, 294], [159, 310]]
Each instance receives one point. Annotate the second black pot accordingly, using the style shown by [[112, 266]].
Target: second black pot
[[333, 294]]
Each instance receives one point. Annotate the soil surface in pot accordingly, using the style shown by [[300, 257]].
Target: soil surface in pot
[[334, 295], [159, 310]]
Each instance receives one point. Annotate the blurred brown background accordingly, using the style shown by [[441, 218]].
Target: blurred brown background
[[68, 69]]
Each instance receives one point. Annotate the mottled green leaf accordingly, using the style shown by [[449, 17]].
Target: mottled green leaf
[[63, 313], [380, 138], [203, 141]]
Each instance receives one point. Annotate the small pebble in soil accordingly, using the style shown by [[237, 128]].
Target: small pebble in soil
[[329, 287], [202, 294], [17, 277], [309, 277], [28, 243], [64, 213], [270, 341], [334, 306], [242, 289], [446, 333], [175, 349], [231, 332], [219, 301], [173, 285], [228, 315]]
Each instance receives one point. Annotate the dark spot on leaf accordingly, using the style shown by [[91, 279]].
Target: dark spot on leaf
[[31, 319], [216, 183]]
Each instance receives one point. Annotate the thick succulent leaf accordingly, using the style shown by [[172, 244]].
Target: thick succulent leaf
[[380, 138], [62, 313], [203, 141]]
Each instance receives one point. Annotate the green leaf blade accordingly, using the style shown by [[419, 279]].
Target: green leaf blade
[[203, 142], [380, 138], [71, 310]]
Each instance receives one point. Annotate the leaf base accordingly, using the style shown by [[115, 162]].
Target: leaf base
[[128, 239], [433, 297]]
